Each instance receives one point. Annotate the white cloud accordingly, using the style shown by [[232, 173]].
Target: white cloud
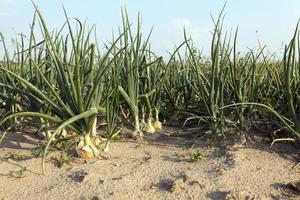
[[171, 34], [181, 23], [194, 29]]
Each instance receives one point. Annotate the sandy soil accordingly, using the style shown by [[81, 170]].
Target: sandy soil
[[160, 167]]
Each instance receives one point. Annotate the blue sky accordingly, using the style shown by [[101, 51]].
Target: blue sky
[[272, 21]]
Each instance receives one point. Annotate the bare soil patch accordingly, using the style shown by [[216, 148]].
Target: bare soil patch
[[175, 164]]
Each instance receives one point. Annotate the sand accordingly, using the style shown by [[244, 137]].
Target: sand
[[160, 167]]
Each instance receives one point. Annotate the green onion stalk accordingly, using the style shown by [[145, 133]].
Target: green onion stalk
[[210, 87], [291, 78], [132, 61], [150, 85]]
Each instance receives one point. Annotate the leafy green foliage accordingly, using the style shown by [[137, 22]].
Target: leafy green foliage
[[196, 156]]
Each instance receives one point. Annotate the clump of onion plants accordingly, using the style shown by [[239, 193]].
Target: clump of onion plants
[[73, 95], [134, 63]]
